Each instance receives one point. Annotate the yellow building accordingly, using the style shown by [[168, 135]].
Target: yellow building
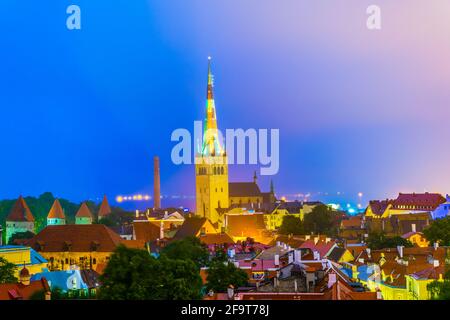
[[24, 257], [211, 166]]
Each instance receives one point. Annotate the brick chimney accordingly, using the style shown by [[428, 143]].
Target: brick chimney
[[156, 184]]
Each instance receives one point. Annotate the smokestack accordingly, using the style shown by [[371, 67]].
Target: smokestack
[[156, 184]]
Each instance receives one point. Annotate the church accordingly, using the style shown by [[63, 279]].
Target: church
[[214, 193]]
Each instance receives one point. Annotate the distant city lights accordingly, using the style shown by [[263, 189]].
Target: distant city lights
[[137, 197]]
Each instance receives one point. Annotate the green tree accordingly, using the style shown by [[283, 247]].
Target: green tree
[[321, 220], [440, 290], [377, 241], [439, 231], [291, 225], [7, 271], [133, 274], [222, 274], [189, 248], [21, 236]]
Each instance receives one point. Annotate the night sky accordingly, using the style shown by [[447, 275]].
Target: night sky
[[83, 112]]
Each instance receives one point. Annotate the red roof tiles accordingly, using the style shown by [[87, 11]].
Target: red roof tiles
[[84, 212], [20, 212], [56, 212]]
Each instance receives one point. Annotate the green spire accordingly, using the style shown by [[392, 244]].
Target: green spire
[[211, 143]]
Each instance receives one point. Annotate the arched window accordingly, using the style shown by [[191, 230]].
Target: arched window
[[222, 170], [215, 170]]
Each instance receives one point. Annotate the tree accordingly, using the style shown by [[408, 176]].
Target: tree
[[321, 220], [377, 241], [439, 231], [440, 290], [189, 248], [7, 271], [21, 236], [133, 274], [222, 274], [291, 225]]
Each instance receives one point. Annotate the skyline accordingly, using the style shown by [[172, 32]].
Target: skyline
[[354, 115]]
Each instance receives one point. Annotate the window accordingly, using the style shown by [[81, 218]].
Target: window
[[222, 170]]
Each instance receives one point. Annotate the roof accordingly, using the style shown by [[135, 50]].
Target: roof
[[245, 225], [56, 212], [190, 228], [84, 211], [60, 279], [379, 207], [105, 209], [17, 291], [322, 246], [146, 231], [336, 254], [429, 273], [218, 238], [243, 189], [76, 238], [354, 222], [20, 212], [425, 200]]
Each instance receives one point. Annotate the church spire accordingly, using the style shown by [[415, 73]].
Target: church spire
[[211, 143]]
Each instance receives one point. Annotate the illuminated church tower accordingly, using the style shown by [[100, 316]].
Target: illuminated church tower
[[211, 165]]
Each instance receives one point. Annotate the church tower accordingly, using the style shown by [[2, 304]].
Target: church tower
[[211, 165]]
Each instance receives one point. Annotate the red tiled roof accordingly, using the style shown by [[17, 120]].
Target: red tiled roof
[[56, 212], [105, 209], [146, 231], [76, 238], [17, 291], [352, 222], [20, 212], [322, 246], [84, 211], [420, 200]]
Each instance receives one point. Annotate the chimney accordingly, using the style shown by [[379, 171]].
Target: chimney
[[379, 295], [436, 245], [400, 251], [316, 255], [297, 255], [316, 239], [435, 263], [331, 279], [413, 227], [368, 252], [277, 260], [161, 230], [156, 184], [290, 257], [230, 292], [307, 237], [327, 240]]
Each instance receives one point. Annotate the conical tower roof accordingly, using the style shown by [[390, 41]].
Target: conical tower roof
[[56, 212], [84, 212], [105, 209], [20, 212]]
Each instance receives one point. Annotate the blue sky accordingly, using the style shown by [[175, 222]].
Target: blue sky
[[84, 111]]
